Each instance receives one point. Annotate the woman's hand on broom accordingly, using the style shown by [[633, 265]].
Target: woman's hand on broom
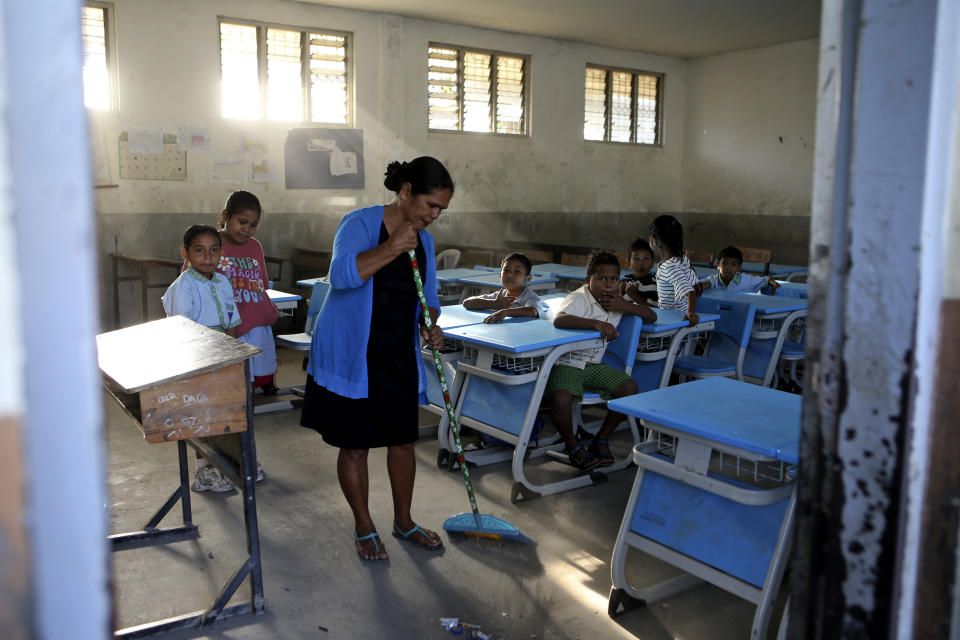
[[433, 337]]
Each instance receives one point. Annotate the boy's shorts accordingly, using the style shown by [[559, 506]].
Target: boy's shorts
[[600, 378]]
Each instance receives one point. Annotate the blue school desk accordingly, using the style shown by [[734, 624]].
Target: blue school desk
[[483, 282], [450, 316], [309, 282], [286, 302], [660, 344], [552, 269], [785, 271], [792, 289], [771, 326], [501, 375], [449, 285], [712, 494]]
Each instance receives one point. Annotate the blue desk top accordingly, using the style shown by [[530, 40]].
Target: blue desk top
[[282, 296], [792, 289], [789, 453], [775, 269], [552, 268], [669, 320], [725, 411], [487, 279], [766, 305], [309, 282], [518, 335], [448, 276], [456, 316]]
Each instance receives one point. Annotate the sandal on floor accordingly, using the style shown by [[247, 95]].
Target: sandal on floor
[[601, 448], [582, 458], [405, 536], [374, 537]]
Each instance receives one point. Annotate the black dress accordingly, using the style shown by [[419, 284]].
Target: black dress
[[388, 415]]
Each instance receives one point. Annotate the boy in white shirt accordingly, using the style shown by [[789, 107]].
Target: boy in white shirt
[[515, 299], [597, 305], [729, 277]]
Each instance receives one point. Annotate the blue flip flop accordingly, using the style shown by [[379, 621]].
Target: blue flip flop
[[405, 536], [370, 536]]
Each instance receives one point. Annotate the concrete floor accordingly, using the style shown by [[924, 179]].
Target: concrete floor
[[316, 587]]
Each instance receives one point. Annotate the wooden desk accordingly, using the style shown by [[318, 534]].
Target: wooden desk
[[143, 266], [183, 382]]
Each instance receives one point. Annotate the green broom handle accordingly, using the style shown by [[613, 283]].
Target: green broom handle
[[443, 386]]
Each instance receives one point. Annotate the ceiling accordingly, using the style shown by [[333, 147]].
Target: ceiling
[[679, 28]]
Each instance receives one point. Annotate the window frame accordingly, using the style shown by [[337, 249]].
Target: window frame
[[494, 54], [261, 28], [110, 51], [608, 104]]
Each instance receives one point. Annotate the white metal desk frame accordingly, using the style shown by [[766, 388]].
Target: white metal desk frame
[[286, 302], [522, 487], [690, 466]]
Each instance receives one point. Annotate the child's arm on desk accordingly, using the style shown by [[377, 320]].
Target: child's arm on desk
[[567, 321], [502, 300], [691, 313], [515, 312]]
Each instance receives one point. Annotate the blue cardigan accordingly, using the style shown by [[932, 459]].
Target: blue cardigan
[[338, 350]]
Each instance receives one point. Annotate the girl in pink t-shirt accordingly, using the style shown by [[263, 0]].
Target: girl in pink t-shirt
[[242, 263]]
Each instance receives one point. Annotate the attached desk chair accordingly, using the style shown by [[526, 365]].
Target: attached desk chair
[[662, 342], [501, 376], [714, 494], [775, 315], [182, 382], [727, 345]]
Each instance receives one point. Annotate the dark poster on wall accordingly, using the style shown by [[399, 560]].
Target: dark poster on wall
[[320, 158]]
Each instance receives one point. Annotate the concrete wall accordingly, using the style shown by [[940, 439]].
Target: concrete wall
[[549, 187], [748, 146]]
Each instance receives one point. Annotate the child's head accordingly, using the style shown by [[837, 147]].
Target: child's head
[[515, 271], [201, 248], [641, 257], [666, 236], [240, 217], [603, 274], [728, 262]]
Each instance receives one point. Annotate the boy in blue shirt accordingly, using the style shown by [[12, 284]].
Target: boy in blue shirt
[[730, 278]]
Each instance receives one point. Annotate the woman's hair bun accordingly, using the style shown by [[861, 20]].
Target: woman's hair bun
[[394, 175]]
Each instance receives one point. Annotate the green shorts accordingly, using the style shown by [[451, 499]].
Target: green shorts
[[600, 378]]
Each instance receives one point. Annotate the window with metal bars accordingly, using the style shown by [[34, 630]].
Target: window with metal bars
[[97, 56], [284, 73], [478, 91], [622, 106]]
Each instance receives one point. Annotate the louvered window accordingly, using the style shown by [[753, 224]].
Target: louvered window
[[622, 106], [478, 91], [283, 73], [97, 85]]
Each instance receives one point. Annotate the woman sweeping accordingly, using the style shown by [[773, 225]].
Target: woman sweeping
[[366, 377]]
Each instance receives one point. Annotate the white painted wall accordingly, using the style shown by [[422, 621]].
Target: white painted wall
[[169, 76], [749, 137]]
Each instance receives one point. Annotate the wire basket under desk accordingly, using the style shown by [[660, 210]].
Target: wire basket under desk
[[756, 472], [516, 365]]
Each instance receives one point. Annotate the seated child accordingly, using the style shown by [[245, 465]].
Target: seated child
[[676, 279], [515, 299], [640, 285], [730, 278], [200, 293], [205, 296], [597, 305]]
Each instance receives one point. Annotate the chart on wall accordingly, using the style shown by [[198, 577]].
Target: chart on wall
[[150, 154], [319, 158]]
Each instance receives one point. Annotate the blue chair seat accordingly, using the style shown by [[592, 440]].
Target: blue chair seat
[[592, 395], [703, 364], [792, 350]]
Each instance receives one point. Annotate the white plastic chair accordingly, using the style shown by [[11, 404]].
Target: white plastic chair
[[448, 259]]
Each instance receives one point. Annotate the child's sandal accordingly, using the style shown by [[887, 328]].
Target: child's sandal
[[582, 458], [601, 448]]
